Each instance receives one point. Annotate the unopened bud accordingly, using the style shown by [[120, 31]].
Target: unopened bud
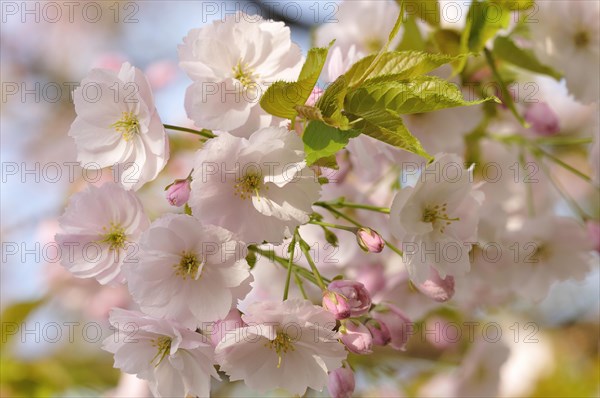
[[341, 383], [178, 193], [337, 304], [543, 119], [356, 337], [369, 240]]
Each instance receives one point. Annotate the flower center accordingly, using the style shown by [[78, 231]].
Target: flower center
[[581, 39], [249, 184], [281, 344], [128, 125], [433, 214], [243, 73], [115, 237], [189, 265], [163, 344], [540, 253]]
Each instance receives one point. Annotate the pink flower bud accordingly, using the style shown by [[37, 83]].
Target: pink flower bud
[[369, 240], [337, 304], [356, 337], [231, 322], [341, 383], [436, 288], [398, 324], [593, 227], [543, 119], [379, 332], [178, 193], [354, 293]]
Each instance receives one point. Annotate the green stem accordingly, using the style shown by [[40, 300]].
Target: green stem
[[570, 201], [353, 221], [561, 163], [306, 274], [558, 141], [506, 96], [204, 133], [290, 266], [304, 247], [300, 286], [385, 48], [384, 210], [336, 226]]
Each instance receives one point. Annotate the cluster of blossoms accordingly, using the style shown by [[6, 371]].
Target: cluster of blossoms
[[283, 164]]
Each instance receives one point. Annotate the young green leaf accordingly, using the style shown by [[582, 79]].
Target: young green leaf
[[282, 98], [388, 127], [426, 10], [507, 50], [331, 104], [418, 95], [322, 141], [487, 20], [411, 39], [398, 65]]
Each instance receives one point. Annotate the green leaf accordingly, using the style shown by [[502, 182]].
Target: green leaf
[[282, 98], [427, 10], [484, 20], [515, 5], [330, 162], [13, 316], [331, 104], [418, 95], [251, 259], [322, 141], [487, 20], [388, 127], [398, 65], [411, 39], [507, 50]]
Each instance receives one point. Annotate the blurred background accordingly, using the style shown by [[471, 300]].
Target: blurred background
[[53, 324]]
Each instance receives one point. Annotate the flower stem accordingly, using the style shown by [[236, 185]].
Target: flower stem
[[306, 274], [288, 277], [204, 133], [300, 286], [339, 214], [561, 163], [336, 226], [572, 203], [384, 210], [304, 247]]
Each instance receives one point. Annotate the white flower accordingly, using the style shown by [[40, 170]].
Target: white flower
[[232, 62], [289, 345], [99, 230], [364, 24], [340, 62], [118, 125], [545, 250], [258, 187], [188, 272], [568, 38], [177, 362], [436, 220]]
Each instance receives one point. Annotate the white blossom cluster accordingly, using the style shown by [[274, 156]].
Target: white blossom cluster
[[274, 205]]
